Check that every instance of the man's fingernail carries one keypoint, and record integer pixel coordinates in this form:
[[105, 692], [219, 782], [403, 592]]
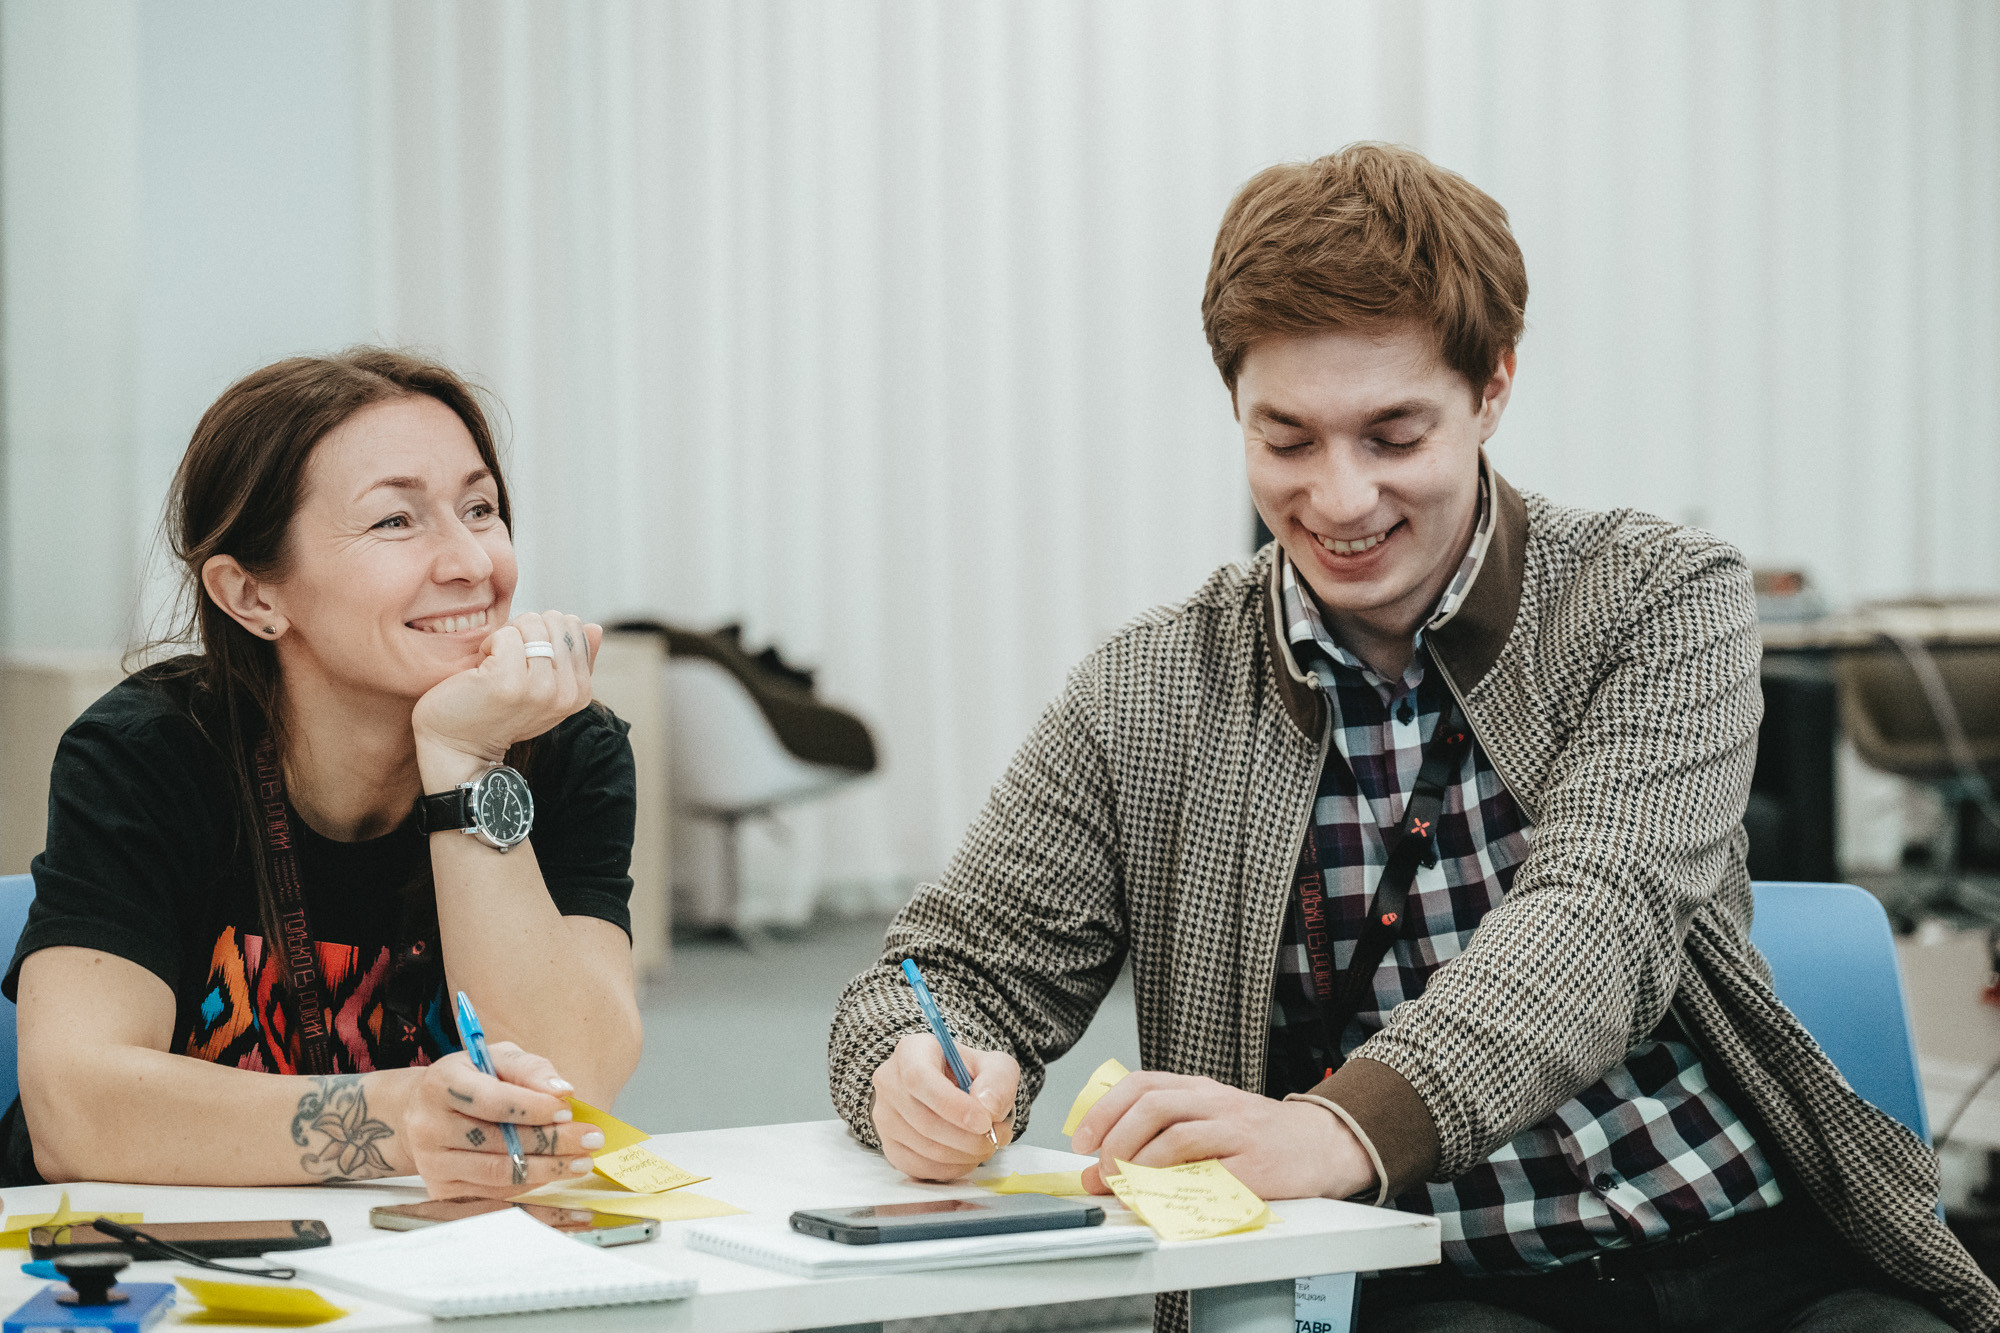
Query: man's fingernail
[[564, 1116], [562, 1085], [594, 1139], [579, 1166]]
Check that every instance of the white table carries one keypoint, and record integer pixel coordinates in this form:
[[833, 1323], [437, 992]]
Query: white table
[[774, 1169]]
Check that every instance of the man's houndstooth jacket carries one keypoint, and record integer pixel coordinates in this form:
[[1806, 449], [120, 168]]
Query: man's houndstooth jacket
[[1609, 665]]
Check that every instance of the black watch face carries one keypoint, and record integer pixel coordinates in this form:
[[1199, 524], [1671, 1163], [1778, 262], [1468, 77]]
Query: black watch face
[[502, 808]]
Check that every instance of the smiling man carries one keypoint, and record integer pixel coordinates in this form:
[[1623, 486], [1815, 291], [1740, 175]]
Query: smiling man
[[1422, 833]]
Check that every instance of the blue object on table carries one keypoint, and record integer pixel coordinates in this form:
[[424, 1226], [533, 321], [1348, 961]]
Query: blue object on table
[[145, 1304], [42, 1268], [943, 1033], [1833, 962], [16, 892], [474, 1039]]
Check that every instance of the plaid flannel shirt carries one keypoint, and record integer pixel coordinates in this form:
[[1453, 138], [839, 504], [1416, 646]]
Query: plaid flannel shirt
[[1647, 1151]]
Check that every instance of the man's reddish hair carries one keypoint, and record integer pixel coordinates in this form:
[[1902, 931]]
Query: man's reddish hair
[[1372, 235]]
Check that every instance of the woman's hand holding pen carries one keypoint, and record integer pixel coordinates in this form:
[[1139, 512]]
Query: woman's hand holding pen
[[453, 1124], [930, 1129]]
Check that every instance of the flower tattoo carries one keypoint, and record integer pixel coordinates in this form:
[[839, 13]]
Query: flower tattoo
[[336, 1109]]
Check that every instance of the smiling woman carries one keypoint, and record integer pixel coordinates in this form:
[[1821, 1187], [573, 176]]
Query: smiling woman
[[270, 860]]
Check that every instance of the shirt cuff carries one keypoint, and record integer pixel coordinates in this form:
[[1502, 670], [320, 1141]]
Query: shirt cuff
[[1367, 1144], [1389, 1117]]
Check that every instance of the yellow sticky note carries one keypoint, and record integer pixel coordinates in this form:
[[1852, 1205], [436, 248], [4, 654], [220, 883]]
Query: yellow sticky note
[[617, 1134], [1050, 1182], [1101, 1082], [643, 1172], [1189, 1202], [679, 1206], [254, 1303], [14, 1235]]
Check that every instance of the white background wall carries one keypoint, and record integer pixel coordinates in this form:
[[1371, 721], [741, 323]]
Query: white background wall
[[873, 323]]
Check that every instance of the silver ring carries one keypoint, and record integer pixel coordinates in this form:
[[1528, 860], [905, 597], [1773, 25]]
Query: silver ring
[[539, 648]]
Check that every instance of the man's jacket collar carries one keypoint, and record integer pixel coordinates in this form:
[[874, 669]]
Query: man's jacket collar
[[1466, 645]]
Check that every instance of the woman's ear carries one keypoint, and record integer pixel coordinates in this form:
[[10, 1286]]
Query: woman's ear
[[241, 597]]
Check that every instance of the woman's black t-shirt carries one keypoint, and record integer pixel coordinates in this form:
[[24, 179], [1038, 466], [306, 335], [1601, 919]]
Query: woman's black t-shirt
[[147, 859]]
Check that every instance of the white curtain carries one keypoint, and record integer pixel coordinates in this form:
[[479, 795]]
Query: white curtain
[[873, 324]]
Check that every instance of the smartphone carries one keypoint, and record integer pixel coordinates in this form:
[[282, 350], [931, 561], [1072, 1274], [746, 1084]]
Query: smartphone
[[934, 1219], [210, 1240], [594, 1228]]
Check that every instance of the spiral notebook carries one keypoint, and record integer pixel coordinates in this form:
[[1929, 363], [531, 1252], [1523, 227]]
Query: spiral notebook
[[498, 1263], [769, 1243]]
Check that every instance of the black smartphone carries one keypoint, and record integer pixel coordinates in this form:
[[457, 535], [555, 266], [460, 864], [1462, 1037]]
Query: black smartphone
[[210, 1240], [592, 1228], [935, 1219]]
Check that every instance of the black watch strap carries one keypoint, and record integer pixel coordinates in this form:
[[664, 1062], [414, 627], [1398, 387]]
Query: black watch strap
[[445, 811]]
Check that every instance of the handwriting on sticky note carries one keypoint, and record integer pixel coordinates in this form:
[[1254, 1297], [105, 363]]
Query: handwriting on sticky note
[[1049, 1182], [642, 1171], [14, 1234], [254, 1303], [1189, 1202], [679, 1206], [1101, 1082], [617, 1134]]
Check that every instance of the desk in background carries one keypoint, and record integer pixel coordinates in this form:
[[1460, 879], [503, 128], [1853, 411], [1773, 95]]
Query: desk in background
[[1793, 815], [772, 1170]]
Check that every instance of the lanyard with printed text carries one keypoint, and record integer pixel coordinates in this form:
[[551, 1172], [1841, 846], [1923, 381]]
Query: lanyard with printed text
[[287, 927], [1339, 996]]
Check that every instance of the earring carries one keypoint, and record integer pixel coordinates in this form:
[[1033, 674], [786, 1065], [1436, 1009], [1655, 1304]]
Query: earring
[[270, 629]]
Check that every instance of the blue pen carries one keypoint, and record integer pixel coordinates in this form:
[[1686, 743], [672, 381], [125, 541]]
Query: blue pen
[[473, 1038], [943, 1033]]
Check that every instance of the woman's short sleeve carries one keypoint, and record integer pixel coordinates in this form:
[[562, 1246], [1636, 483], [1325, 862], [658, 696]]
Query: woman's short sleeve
[[585, 809], [133, 817]]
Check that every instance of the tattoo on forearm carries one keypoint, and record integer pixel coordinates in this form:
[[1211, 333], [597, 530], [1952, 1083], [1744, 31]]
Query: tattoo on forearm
[[332, 1121]]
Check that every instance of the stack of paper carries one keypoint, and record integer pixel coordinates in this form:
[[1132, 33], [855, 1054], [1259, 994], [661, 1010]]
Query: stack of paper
[[1187, 1202], [628, 1178]]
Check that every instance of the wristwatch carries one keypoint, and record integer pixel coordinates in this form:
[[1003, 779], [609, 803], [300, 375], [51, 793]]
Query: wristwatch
[[495, 807]]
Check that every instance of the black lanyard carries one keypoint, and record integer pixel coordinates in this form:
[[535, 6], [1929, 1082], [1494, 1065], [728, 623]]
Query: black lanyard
[[287, 928], [1338, 997]]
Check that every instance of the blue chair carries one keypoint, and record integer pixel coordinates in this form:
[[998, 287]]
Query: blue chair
[[16, 892], [1833, 960]]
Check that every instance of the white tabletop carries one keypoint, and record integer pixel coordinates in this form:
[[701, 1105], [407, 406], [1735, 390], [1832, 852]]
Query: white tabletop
[[772, 1170]]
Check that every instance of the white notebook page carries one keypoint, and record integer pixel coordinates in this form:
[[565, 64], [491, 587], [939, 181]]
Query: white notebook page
[[493, 1264]]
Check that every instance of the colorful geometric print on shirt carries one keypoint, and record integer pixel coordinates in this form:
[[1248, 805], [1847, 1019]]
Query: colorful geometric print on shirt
[[1647, 1151], [387, 1009]]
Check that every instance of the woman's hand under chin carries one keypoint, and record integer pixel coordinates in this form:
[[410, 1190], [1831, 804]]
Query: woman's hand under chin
[[465, 722]]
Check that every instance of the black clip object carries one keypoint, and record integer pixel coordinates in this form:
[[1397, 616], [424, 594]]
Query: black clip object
[[91, 1278]]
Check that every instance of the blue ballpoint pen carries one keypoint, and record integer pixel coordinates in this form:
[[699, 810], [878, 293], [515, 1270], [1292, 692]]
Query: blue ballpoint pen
[[473, 1038], [943, 1033]]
